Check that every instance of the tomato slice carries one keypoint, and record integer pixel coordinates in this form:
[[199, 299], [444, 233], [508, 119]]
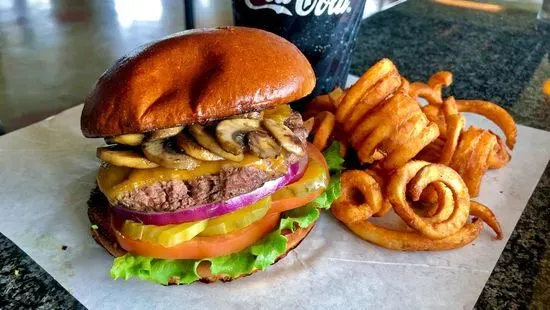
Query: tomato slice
[[315, 154], [286, 204], [203, 247], [310, 186]]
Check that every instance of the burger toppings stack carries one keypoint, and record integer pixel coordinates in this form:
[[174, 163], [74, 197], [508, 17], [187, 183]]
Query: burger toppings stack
[[206, 173]]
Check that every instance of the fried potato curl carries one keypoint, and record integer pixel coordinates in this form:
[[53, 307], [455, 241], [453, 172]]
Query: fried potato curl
[[423, 163], [365, 195], [472, 151]]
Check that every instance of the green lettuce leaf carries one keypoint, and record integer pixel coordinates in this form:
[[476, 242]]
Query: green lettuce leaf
[[303, 217], [331, 193], [234, 264], [334, 159], [267, 250], [259, 256], [155, 270]]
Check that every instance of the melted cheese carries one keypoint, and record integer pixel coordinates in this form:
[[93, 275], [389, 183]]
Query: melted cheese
[[279, 113], [114, 181]]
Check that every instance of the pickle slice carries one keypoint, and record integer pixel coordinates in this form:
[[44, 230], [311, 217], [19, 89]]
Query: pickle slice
[[181, 233], [241, 218], [167, 235], [313, 179], [174, 234]]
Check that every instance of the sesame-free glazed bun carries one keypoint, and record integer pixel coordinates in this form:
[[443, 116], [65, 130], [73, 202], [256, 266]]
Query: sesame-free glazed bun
[[196, 76]]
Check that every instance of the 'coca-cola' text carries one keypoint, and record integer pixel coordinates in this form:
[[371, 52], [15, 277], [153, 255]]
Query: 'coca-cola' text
[[302, 7]]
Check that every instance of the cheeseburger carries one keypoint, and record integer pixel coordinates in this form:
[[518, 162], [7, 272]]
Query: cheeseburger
[[206, 174]]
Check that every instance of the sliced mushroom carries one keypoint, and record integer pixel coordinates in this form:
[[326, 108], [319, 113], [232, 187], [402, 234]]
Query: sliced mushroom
[[259, 115], [207, 141], [164, 133], [132, 139], [159, 152], [261, 144], [230, 133], [188, 145], [120, 156], [284, 135], [308, 125]]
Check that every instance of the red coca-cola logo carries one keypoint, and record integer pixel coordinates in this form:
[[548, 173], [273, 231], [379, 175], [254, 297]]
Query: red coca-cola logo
[[302, 7]]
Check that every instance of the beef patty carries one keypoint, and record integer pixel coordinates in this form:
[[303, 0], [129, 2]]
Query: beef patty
[[181, 194], [230, 182]]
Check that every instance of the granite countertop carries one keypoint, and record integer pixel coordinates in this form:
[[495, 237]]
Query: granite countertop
[[502, 57]]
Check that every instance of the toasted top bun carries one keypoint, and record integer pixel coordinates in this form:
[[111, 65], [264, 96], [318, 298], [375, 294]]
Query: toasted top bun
[[196, 76]]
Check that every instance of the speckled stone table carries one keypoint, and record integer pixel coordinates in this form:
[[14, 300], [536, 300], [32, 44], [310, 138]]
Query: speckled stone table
[[501, 57]]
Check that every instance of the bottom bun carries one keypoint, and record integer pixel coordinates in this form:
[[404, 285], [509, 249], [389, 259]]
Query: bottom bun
[[104, 235]]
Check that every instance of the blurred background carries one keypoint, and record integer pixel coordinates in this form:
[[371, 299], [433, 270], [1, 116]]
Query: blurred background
[[51, 51]]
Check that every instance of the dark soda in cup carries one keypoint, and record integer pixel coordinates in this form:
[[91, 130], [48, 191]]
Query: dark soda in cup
[[324, 30]]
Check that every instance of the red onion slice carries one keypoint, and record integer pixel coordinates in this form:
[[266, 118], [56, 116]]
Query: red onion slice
[[209, 210]]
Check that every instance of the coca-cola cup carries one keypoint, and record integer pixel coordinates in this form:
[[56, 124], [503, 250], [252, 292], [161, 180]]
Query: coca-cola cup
[[324, 30]]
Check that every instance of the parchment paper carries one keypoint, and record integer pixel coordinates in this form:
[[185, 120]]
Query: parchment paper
[[48, 169]]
